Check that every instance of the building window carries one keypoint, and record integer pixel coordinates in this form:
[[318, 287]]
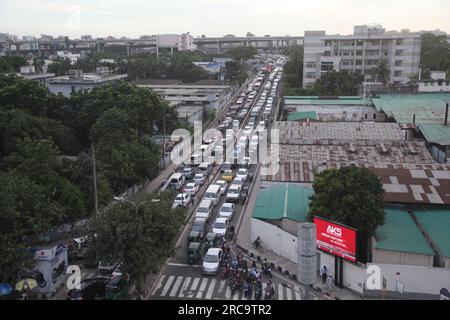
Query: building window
[[327, 53], [398, 63], [359, 42], [398, 53], [359, 53], [365, 116], [397, 74], [327, 66], [399, 42], [358, 62], [375, 116]]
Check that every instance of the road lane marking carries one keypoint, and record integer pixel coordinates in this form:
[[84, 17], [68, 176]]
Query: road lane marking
[[297, 293], [184, 287], [176, 286], [290, 293], [210, 289], [228, 293], [221, 286], [158, 286], [183, 265], [194, 286], [167, 286], [280, 292], [202, 288]]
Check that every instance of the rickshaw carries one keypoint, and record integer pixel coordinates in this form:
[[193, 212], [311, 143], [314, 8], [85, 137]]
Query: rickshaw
[[117, 288], [194, 236], [195, 251], [211, 240]]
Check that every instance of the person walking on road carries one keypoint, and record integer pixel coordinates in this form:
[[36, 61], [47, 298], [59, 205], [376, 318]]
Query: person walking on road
[[324, 274]]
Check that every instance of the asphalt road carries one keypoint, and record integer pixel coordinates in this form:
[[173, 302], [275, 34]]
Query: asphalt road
[[178, 280]]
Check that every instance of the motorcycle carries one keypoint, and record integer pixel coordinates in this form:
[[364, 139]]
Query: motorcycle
[[58, 271], [225, 272], [234, 286], [267, 269], [36, 275], [269, 295], [258, 293], [248, 291]]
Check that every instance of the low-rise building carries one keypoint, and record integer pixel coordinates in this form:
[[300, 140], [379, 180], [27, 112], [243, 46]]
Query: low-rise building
[[77, 81], [346, 109]]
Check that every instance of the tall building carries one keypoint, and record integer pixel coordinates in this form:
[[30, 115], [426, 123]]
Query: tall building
[[361, 52]]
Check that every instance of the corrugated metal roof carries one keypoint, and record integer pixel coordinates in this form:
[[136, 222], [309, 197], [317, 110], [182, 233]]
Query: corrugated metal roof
[[304, 115], [315, 100], [436, 133], [400, 233], [283, 201], [428, 108], [436, 223]]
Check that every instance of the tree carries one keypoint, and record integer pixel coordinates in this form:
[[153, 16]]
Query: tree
[[11, 64], [60, 67], [435, 53], [352, 196], [293, 69], [242, 53], [140, 236], [381, 73], [23, 216], [342, 83]]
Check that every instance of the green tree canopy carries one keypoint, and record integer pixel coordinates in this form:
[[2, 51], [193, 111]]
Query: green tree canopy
[[141, 237], [24, 215], [242, 53], [293, 70], [334, 83], [352, 196], [435, 54], [381, 73]]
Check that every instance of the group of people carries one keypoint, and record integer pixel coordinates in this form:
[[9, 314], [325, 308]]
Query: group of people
[[327, 279], [242, 276]]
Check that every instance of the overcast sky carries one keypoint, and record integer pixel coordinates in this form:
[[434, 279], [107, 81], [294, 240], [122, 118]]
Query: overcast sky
[[216, 17]]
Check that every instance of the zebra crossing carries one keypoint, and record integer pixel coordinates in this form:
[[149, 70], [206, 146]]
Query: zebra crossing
[[185, 287]]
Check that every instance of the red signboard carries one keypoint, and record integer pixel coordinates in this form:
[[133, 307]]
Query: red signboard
[[336, 239]]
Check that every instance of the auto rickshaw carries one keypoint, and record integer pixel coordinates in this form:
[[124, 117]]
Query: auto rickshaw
[[195, 251], [117, 288], [194, 236], [211, 240]]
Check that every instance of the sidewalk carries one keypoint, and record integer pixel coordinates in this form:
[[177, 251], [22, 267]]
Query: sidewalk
[[281, 265]]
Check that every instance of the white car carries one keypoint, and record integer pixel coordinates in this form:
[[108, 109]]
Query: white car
[[242, 173], [220, 227], [211, 261], [233, 193], [199, 179], [223, 186], [227, 211], [191, 188], [182, 200]]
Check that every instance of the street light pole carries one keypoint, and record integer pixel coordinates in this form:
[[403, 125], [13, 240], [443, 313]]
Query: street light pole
[[164, 137], [94, 173]]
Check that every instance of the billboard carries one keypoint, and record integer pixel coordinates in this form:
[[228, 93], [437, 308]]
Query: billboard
[[336, 239]]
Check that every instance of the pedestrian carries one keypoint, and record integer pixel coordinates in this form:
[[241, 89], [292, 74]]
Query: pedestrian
[[324, 274]]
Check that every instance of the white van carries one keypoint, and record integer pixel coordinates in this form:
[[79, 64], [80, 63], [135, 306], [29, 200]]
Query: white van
[[177, 180], [213, 194], [204, 210], [205, 168]]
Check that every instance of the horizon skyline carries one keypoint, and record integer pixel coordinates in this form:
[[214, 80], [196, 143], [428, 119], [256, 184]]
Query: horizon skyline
[[133, 18]]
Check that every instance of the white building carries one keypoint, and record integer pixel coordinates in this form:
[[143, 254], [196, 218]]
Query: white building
[[175, 42], [437, 83], [361, 52], [78, 81], [68, 55]]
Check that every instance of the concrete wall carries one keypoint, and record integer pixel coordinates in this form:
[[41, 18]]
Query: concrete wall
[[336, 112], [434, 86], [404, 258], [275, 239], [417, 281]]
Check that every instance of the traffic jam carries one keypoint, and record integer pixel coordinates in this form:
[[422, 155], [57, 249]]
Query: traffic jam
[[215, 192]]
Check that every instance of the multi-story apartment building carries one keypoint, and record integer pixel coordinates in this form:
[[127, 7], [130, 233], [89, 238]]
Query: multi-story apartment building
[[361, 52]]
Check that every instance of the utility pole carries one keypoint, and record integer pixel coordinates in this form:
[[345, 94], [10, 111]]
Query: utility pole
[[164, 137], [94, 173]]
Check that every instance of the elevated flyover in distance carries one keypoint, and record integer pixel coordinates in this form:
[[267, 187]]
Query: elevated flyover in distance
[[266, 44]]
